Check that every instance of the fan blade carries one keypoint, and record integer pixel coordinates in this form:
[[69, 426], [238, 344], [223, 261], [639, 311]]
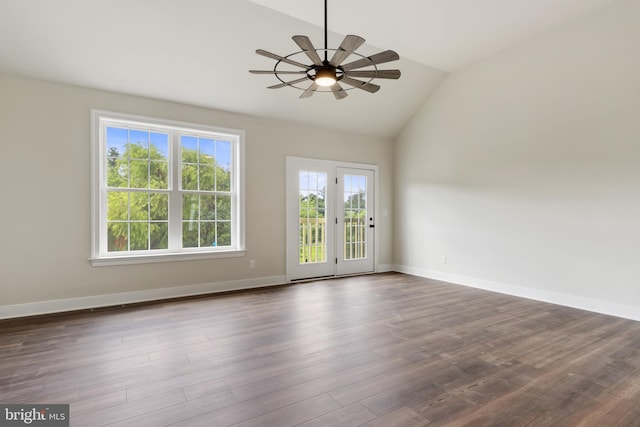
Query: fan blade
[[369, 87], [278, 86], [338, 91], [307, 47], [280, 58], [375, 74], [347, 47], [310, 90], [276, 72], [378, 58]]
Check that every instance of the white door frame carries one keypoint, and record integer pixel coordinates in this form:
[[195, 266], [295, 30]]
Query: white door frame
[[293, 164]]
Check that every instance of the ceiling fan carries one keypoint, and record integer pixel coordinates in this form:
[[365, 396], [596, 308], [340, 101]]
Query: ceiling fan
[[325, 72]]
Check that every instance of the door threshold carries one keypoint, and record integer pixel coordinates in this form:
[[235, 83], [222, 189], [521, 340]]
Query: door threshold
[[331, 276]]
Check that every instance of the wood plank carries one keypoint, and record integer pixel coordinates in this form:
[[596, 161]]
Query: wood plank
[[348, 416], [294, 414]]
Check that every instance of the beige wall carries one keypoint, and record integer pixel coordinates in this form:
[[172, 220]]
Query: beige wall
[[524, 170], [45, 187]]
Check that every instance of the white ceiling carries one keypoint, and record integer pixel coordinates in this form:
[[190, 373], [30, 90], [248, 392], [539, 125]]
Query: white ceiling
[[199, 51], [445, 34]]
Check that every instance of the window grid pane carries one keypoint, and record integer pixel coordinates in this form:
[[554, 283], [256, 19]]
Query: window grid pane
[[206, 220], [354, 214], [206, 164], [136, 159], [137, 221], [311, 213]]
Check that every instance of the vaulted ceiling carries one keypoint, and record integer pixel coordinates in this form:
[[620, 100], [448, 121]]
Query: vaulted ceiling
[[199, 51]]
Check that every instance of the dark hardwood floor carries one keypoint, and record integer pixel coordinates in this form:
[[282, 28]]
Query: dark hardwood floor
[[378, 350]]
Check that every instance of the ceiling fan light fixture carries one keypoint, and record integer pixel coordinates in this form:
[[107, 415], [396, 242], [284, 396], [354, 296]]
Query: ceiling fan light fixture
[[325, 76], [330, 73]]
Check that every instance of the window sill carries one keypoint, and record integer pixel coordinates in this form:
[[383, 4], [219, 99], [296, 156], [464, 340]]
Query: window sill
[[165, 257]]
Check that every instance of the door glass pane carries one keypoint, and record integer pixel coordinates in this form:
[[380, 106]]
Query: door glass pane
[[355, 216], [312, 236]]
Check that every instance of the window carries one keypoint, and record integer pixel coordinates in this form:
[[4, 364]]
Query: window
[[165, 190]]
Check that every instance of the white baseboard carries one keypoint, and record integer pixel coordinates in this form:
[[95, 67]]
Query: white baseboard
[[582, 303], [58, 306], [97, 301]]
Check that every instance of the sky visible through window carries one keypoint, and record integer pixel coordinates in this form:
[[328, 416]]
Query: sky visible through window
[[118, 138]]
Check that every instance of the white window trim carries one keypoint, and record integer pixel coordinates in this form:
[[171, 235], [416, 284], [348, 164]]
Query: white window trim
[[99, 257]]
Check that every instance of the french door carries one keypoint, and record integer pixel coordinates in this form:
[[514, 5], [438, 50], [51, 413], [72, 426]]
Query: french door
[[330, 218]]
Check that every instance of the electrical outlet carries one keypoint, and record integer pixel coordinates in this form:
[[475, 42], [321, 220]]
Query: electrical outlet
[[252, 263], [444, 259]]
